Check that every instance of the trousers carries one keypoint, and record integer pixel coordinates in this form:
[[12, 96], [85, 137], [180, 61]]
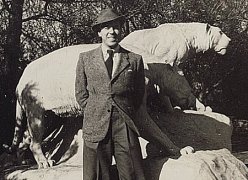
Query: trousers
[[120, 142]]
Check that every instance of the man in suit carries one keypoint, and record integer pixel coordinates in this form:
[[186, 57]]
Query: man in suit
[[109, 87]]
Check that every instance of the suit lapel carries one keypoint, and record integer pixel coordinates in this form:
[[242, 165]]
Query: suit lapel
[[98, 63], [123, 63]]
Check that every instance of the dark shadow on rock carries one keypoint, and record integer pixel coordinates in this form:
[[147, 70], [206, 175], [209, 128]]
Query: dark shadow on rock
[[153, 166], [62, 131], [59, 135], [171, 84], [199, 131]]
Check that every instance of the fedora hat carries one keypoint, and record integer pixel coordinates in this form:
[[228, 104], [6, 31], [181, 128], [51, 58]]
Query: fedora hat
[[106, 16]]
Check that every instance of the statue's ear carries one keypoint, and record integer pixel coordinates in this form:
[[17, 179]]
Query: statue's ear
[[207, 27]]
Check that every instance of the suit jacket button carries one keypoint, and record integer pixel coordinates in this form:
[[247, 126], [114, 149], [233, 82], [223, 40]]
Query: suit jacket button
[[108, 110]]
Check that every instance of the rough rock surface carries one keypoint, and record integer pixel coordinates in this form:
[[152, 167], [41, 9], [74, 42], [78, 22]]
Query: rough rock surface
[[205, 165]]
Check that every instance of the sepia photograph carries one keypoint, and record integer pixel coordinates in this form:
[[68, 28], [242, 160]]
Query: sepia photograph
[[124, 89]]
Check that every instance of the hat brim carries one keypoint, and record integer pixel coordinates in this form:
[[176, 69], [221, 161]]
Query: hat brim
[[97, 27]]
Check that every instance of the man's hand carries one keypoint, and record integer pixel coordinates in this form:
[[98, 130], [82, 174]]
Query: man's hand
[[187, 150]]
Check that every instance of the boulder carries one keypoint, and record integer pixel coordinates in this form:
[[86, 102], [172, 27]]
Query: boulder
[[205, 165]]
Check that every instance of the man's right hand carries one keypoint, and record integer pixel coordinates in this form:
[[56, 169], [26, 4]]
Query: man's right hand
[[187, 150]]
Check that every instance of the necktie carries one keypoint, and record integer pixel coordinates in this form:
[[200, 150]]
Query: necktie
[[109, 62]]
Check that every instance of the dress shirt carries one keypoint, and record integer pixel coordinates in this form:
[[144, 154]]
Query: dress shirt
[[116, 56]]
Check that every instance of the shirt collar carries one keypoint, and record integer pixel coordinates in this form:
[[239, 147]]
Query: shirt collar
[[105, 48]]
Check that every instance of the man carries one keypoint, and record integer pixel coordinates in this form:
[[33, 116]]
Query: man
[[110, 87]]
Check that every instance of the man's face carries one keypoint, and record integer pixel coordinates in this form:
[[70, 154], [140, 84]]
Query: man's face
[[110, 33]]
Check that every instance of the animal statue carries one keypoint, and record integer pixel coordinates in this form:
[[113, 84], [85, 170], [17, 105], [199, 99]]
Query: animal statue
[[47, 84], [172, 43]]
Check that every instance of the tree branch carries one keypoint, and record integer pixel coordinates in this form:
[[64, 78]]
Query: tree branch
[[38, 16], [135, 11], [7, 7], [35, 40]]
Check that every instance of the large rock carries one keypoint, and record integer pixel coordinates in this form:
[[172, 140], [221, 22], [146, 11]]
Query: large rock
[[205, 165]]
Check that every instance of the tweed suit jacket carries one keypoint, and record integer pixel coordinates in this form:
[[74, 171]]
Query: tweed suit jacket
[[96, 93]]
